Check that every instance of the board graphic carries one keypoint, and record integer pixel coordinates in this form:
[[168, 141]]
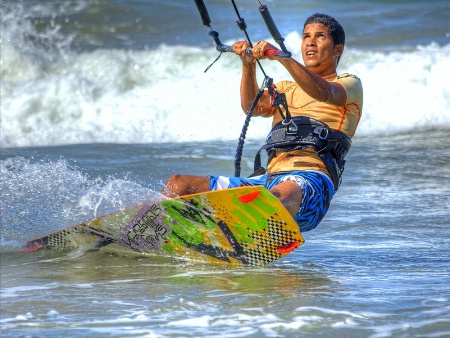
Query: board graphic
[[234, 227]]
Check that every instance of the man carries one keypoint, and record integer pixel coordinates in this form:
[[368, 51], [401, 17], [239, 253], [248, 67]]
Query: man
[[303, 170]]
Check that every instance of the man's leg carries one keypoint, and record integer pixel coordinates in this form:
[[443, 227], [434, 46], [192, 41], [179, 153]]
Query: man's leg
[[306, 195], [290, 194], [179, 185]]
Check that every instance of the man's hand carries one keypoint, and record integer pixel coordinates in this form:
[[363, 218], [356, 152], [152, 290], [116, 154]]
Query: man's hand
[[240, 49], [260, 50]]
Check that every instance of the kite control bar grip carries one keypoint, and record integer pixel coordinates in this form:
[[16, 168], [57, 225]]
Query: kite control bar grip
[[226, 48], [279, 53], [274, 31]]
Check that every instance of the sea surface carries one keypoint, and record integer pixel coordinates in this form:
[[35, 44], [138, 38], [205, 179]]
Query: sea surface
[[101, 101]]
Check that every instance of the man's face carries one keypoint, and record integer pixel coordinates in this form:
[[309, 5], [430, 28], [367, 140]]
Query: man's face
[[318, 50]]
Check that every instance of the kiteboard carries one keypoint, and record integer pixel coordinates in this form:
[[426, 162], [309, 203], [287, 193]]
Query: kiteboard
[[232, 227]]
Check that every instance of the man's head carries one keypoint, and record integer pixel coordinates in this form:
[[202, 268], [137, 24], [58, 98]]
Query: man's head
[[335, 29], [322, 43]]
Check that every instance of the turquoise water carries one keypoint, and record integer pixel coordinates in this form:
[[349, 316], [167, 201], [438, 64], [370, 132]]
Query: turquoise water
[[377, 266]]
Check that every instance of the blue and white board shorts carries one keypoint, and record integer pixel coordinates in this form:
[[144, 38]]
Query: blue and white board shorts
[[318, 190]]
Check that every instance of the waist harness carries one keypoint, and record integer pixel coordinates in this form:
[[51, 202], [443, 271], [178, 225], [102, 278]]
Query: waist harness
[[302, 132]]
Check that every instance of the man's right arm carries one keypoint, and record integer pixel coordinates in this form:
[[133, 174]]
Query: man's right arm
[[249, 86]]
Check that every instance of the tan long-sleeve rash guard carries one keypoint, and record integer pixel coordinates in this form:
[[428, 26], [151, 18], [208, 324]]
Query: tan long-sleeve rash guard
[[344, 119]]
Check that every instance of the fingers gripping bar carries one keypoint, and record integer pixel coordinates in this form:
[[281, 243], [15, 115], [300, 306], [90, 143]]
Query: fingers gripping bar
[[225, 48]]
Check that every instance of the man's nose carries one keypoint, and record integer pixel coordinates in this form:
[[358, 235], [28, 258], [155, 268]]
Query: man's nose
[[312, 41]]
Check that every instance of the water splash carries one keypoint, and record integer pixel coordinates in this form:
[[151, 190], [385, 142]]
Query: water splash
[[45, 196]]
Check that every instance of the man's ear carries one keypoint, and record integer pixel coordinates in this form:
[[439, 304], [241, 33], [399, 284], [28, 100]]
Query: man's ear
[[338, 49]]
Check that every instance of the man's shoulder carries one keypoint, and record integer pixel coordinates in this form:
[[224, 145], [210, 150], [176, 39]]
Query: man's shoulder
[[349, 81], [353, 86], [348, 76]]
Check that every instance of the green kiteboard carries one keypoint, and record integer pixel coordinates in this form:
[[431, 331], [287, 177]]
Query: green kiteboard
[[232, 227]]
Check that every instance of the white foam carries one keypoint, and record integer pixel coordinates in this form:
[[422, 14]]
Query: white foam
[[202, 321], [52, 186], [163, 95], [21, 291]]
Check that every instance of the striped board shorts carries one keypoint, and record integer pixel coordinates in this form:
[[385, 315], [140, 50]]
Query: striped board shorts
[[317, 190]]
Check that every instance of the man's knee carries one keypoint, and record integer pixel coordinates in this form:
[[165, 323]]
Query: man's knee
[[290, 194], [173, 180], [172, 186], [179, 185]]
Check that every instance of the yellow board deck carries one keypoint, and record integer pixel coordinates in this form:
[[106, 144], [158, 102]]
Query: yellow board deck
[[234, 227]]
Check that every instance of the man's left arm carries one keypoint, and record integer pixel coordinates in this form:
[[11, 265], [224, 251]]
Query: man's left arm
[[313, 84]]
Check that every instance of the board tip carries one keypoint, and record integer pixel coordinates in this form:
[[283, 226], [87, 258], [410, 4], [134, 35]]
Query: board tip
[[32, 246], [288, 247]]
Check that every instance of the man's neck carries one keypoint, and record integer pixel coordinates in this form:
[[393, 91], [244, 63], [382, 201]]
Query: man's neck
[[330, 76]]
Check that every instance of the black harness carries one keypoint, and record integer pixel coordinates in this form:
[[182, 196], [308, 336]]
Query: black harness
[[302, 132]]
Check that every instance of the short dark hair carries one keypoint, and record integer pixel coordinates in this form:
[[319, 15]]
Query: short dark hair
[[334, 27]]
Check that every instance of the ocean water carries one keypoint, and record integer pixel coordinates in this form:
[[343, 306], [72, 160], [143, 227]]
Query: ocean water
[[102, 100]]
